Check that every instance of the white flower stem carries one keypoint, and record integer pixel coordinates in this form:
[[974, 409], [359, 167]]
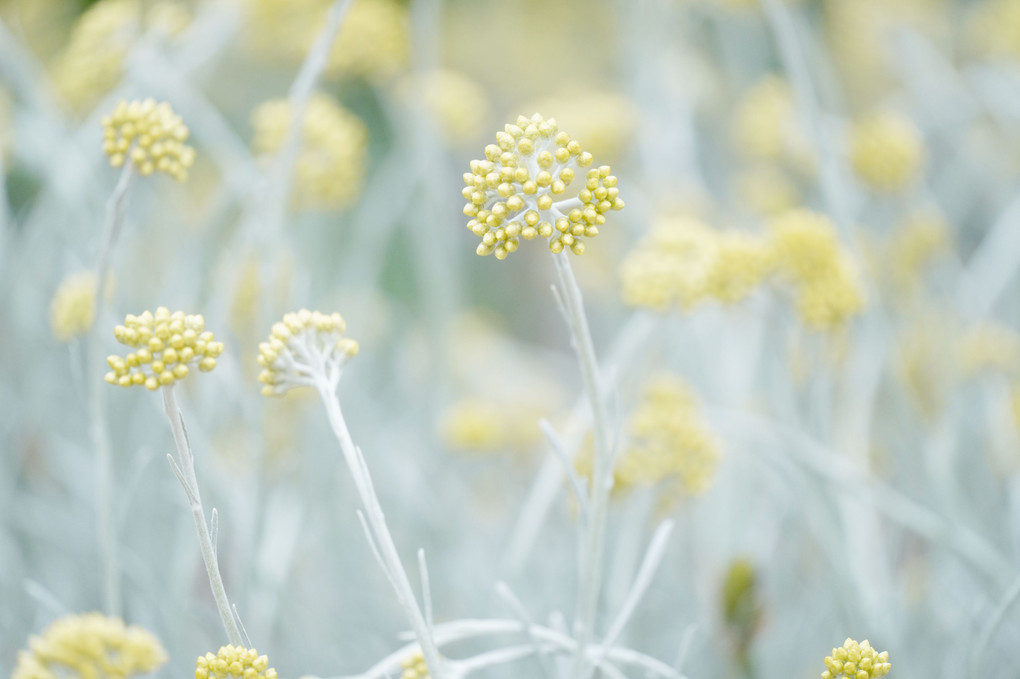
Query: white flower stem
[[376, 521], [185, 470], [601, 481], [106, 533]]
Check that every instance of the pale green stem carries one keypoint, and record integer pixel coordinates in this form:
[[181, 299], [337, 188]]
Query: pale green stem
[[105, 530], [185, 470], [601, 481], [379, 532], [1002, 610]]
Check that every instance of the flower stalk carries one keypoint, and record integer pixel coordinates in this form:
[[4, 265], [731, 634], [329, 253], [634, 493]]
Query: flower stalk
[[184, 468]]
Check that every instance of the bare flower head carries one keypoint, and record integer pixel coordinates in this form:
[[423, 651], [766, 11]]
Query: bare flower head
[[537, 181], [887, 151], [234, 662], [166, 346], [89, 645], [856, 661], [306, 348], [150, 135]]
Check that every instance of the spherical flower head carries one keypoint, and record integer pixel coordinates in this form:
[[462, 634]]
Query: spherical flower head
[[234, 662], [739, 267], [886, 151], [856, 661], [89, 645], [330, 166], [537, 181], [306, 348], [150, 135], [414, 667], [765, 122], [166, 346], [74, 306]]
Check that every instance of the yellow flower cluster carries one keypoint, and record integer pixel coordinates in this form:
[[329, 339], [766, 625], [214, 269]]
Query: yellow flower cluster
[[917, 242], [234, 662], [667, 439], [166, 346], [330, 166], [856, 661], [303, 349], [74, 306], [804, 250], [89, 645], [606, 121], [414, 667], [522, 190], [765, 125], [92, 63], [150, 135], [684, 262], [477, 424], [373, 40], [886, 151]]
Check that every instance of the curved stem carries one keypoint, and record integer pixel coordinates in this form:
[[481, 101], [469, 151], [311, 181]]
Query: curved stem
[[186, 475], [376, 521]]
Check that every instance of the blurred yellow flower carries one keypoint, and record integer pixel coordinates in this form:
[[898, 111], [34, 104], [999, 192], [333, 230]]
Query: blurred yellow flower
[[89, 646], [74, 306], [767, 190], [92, 63], [458, 104], [803, 248], [373, 39], [766, 127], [166, 346], [330, 166], [886, 151], [989, 347]]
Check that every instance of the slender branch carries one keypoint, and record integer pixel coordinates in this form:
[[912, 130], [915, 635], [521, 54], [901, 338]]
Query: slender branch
[[186, 468], [602, 478], [375, 521], [1002, 610]]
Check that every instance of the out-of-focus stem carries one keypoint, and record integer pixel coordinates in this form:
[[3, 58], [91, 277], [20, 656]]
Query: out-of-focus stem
[[379, 531], [591, 560], [105, 532], [186, 466]]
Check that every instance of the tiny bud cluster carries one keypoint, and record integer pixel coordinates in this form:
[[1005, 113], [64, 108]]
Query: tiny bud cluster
[[232, 662], [166, 345], [856, 661], [303, 349], [523, 189], [150, 135], [414, 667]]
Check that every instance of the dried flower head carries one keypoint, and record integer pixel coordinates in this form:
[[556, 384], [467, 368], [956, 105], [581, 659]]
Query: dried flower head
[[523, 190], [306, 348], [234, 662], [74, 306], [886, 151], [150, 135], [166, 345], [89, 645], [330, 166], [856, 661]]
